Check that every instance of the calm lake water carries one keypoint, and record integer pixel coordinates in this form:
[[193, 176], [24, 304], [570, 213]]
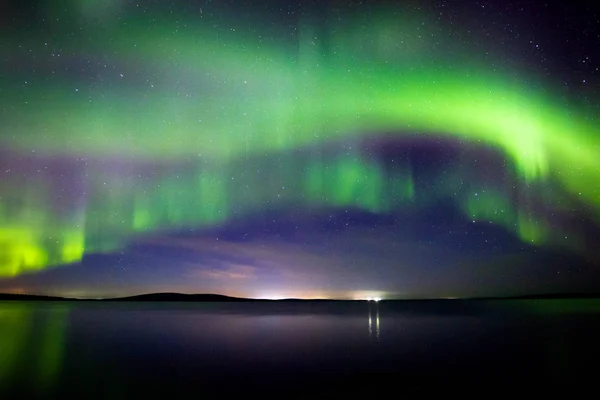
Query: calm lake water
[[295, 350]]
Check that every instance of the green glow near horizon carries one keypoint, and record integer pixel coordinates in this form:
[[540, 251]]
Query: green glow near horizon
[[224, 99]]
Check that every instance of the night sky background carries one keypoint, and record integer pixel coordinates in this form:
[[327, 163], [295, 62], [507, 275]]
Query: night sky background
[[271, 149]]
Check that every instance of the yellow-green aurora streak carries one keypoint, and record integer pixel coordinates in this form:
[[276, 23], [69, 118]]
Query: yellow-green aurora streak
[[237, 99]]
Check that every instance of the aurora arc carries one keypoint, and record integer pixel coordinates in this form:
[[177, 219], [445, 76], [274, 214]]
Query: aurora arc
[[238, 99]]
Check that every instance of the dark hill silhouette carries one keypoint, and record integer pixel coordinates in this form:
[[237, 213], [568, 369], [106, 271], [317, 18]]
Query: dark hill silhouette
[[180, 297]]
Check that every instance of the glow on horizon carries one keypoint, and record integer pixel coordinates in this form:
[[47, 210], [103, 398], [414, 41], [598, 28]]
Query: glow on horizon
[[294, 295], [319, 295], [368, 296]]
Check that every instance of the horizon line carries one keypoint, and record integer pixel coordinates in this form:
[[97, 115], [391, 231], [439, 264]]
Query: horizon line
[[367, 299]]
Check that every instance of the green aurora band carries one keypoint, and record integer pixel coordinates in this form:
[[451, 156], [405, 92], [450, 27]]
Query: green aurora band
[[224, 117]]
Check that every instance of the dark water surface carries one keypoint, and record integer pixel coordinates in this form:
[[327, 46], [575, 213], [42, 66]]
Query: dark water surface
[[297, 350]]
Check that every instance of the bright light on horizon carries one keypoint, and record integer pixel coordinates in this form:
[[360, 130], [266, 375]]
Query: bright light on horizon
[[271, 297], [369, 296]]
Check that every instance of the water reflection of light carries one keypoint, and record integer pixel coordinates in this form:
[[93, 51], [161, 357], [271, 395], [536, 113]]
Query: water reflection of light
[[377, 324], [370, 323]]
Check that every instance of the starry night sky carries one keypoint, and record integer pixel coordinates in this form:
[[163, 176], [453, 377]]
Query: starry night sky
[[331, 149]]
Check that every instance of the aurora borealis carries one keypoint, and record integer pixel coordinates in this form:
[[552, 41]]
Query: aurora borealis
[[126, 126]]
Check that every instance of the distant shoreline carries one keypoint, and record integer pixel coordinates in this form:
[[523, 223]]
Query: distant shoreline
[[194, 298]]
